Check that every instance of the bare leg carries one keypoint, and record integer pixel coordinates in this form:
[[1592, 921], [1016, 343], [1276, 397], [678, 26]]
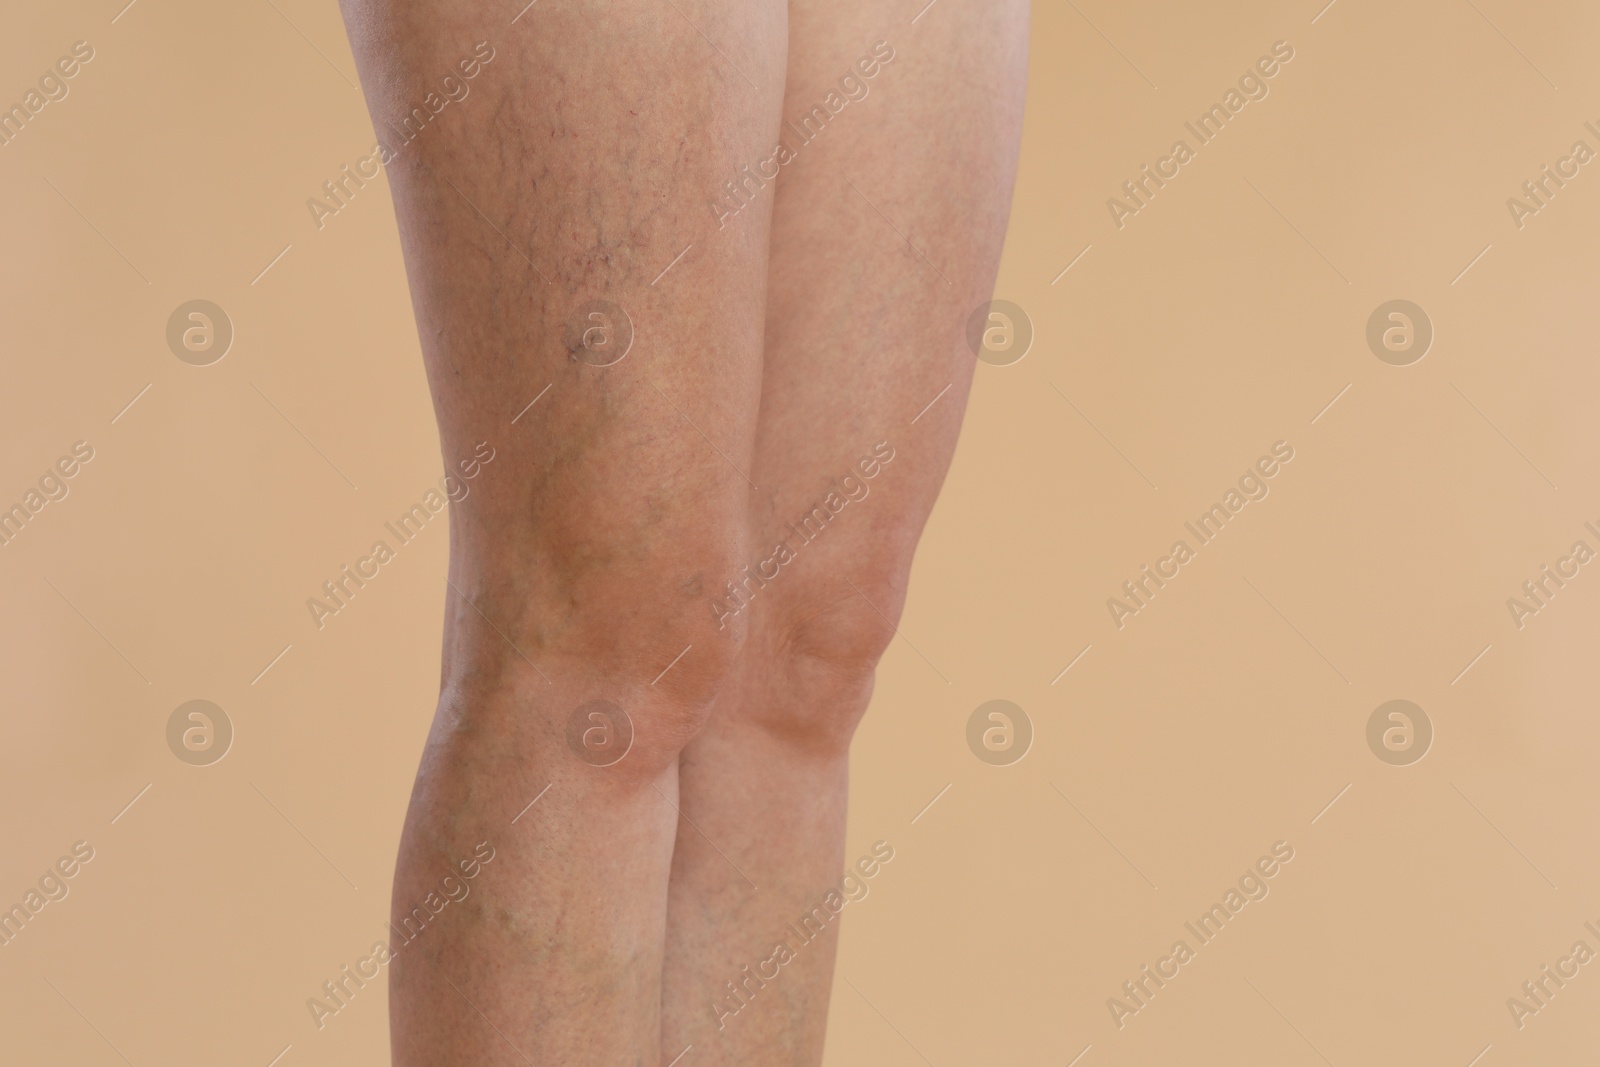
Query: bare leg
[[572, 170], [863, 331]]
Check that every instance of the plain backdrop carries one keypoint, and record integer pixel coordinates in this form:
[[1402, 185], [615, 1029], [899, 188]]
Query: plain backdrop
[[1168, 754]]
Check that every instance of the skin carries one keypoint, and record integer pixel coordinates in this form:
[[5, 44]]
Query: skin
[[766, 360], [766, 779]]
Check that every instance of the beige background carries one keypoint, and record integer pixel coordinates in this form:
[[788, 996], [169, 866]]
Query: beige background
[[1226, 716]]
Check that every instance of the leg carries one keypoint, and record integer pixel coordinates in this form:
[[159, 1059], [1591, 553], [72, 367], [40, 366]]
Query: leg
[[862, 333], [568, 171]]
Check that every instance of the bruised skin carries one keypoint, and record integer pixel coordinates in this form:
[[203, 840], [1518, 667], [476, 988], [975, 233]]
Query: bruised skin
[[564, 176], [570, 173], [585, 562]]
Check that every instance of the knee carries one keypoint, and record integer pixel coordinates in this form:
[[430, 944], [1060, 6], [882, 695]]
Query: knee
[[844, 628], [657, 655], [824, 650], [627, 595], [609, 646]]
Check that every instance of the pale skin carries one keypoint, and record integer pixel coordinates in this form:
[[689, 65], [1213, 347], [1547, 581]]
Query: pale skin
[[795, 338]]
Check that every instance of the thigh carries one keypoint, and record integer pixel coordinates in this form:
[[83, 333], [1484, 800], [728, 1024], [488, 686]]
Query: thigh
[[887, 227], [595, 365], [581, 315]]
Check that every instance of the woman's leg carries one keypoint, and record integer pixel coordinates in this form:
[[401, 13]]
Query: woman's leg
[[886, 236], [573, 165]]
